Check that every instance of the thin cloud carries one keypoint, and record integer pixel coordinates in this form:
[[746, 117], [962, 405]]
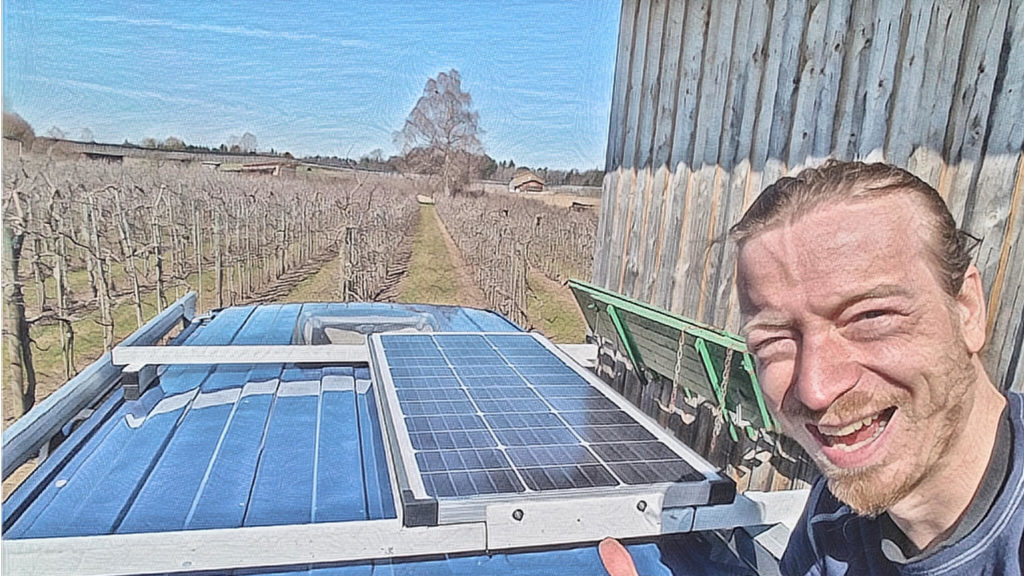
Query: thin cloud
[[226, 30], [124, 92]]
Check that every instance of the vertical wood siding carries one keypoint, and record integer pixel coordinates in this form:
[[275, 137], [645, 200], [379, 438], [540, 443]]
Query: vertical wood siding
[[715, 99]]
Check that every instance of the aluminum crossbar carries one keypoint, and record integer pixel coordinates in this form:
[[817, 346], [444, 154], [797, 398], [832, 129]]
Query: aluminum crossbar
[[508, 525], [166, 355], [585, 354]]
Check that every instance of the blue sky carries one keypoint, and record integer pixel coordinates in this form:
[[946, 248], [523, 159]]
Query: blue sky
[[334, 78]]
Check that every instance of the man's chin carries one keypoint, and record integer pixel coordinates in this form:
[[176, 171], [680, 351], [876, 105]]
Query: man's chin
[[866, 492]]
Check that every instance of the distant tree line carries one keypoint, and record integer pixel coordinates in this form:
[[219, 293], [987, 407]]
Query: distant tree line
[[424, 141]]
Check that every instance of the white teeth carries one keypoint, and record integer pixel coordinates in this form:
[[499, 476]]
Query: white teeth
[[862, 443], [851, 428]]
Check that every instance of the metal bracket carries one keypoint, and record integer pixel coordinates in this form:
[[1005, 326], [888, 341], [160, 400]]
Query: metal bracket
[[136, 379], [543, 523], [766, 416], [627, 342]]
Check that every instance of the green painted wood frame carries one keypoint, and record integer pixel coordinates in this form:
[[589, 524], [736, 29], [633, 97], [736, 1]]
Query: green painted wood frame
[[740, 393]]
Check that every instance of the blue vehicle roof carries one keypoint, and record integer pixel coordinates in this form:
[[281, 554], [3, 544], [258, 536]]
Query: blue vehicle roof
[[236, 445]]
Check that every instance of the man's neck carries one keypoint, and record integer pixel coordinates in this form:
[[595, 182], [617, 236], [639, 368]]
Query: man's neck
[[931, 512]]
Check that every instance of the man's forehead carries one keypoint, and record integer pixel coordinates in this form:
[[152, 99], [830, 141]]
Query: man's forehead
[[831, 248], [892, 220]]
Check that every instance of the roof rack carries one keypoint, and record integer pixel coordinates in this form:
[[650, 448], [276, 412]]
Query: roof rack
[[488, 523]]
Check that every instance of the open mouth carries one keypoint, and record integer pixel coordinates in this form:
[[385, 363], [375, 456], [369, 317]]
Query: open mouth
[[855, 435]]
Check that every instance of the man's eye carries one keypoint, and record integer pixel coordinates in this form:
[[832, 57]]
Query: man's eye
[[871, 315], [770, 347]]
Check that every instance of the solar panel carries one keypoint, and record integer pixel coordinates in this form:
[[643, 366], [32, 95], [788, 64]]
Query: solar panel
[[482, 416]]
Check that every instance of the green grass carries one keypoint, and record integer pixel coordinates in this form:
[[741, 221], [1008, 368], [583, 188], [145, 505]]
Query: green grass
[[554, 312], [320, 287], [432, 276], [46, 354]]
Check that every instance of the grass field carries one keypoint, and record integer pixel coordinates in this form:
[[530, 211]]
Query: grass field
[[88, 333], [553, 310], [432, 276], [320, 287]]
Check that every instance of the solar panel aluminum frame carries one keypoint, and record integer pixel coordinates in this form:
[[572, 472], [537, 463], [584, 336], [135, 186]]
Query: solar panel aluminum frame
[[418, 508]]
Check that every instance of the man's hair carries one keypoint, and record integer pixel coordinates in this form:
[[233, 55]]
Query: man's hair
[[835, 181]]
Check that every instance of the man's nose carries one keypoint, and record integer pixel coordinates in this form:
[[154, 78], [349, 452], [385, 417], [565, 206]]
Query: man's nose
[[824, 371]]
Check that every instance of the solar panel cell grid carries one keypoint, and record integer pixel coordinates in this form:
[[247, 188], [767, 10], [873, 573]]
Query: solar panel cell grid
[[454, 440], [493, 414], [425, 394]]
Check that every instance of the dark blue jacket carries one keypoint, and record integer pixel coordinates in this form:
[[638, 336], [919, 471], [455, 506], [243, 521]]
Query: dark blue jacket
[[831, 539]]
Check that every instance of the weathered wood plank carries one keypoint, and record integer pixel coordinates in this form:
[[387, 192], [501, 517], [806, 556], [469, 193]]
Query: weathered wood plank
[[881, 65], [599, 274], [945, 41], [991, 212], [721, 142], [710, 114], [1006, 300], [788, 69], [613, 157], [668, 89], [675, 230], [654, 230], [969, 115], [769, 85], [691, 264], [636, 240], [635, 88], [650, 88], [616, 126], [850, 103], [747, 67], [689, 82], [812, 57], [620, 237], [664, 137], [904, 128], [650, 95], [713, 83], [634, 103], [831, 76]]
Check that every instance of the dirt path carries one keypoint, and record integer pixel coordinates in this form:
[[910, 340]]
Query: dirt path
[[437, 273]]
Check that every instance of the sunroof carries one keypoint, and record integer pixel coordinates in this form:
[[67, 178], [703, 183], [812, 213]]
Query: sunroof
[[482, 416]]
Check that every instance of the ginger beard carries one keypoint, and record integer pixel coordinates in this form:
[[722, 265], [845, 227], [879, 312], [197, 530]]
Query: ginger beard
[[926, 432]]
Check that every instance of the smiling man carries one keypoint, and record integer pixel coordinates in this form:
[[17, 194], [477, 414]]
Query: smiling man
[[866, 318]]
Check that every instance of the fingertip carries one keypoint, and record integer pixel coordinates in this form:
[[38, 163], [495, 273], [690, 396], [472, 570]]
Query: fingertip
[[616, 559]]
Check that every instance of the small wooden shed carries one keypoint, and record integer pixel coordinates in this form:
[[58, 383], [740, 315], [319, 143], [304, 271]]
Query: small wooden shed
[[526, 181]]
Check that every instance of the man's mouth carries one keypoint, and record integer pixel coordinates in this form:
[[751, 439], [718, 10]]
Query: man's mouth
[[854, 435]]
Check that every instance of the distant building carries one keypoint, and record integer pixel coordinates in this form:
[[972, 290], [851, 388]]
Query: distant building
[[269, 168], [526, 181], [104, 157]]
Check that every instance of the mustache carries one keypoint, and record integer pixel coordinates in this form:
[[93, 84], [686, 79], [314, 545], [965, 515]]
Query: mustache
[[851, 405]]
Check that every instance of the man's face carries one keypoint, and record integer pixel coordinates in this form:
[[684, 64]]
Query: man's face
[[858, 348]]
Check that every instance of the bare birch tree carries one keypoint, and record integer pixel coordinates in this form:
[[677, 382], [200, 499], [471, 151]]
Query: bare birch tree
[[441, 136]]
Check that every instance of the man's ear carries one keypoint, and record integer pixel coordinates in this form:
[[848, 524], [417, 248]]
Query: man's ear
[[971, 305]]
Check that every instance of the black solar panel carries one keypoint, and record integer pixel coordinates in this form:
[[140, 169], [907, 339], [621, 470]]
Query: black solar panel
[[493, 414]]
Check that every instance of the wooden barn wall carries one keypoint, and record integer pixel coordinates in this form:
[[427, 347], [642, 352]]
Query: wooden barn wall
[[715, 99]]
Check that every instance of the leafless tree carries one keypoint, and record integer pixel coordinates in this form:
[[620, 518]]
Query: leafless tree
[[17, 342], [16, 128], [442, 134]]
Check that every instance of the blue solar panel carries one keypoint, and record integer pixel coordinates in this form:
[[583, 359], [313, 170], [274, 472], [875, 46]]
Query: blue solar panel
[[500, 413]]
